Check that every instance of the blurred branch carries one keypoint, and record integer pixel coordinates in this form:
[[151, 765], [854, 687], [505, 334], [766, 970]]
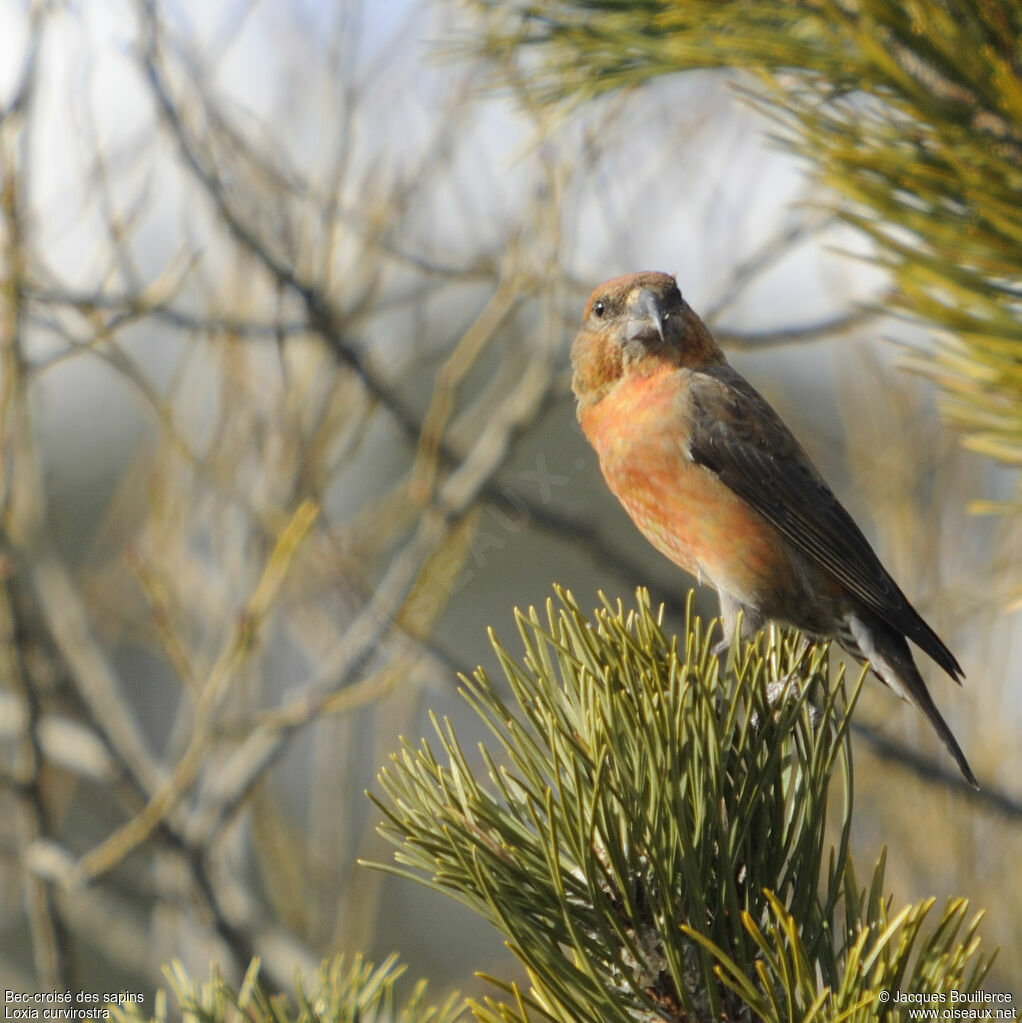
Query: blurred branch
[[97, 683], [237, 646], [831, 327], [934, 772], [767, 255], [322, 316], [50, 945], [20, 516]]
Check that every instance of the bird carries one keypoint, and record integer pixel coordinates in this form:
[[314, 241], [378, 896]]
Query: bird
[[716, 481]]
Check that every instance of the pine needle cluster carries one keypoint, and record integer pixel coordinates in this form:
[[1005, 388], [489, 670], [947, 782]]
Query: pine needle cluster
[[651, 836], [342, 991]]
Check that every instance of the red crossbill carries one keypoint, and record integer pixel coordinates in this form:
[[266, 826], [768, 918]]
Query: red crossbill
[[716, 482]]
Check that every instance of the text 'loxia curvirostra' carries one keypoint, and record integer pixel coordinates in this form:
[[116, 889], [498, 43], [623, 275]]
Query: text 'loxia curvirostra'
[[716, 482]]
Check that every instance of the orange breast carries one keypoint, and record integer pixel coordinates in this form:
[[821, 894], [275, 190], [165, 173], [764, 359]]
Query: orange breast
[[640, 432]]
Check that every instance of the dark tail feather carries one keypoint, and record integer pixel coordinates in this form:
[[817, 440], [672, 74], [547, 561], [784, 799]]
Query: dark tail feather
[[928, 641], [920, 696], [891, 660]]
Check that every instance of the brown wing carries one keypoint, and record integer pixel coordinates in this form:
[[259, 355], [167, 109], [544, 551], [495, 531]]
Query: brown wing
[[739, 437]]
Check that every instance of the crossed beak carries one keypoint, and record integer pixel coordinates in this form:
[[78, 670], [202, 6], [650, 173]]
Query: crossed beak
[[645, 317]]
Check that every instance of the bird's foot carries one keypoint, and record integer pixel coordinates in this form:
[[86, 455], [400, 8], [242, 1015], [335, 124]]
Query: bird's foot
[[788, 688]]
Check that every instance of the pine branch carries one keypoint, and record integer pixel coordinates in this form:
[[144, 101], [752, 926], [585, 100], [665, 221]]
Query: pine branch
[[651, 839], [340, 993]]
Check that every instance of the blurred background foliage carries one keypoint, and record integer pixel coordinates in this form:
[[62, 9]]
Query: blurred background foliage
[[287, 290]]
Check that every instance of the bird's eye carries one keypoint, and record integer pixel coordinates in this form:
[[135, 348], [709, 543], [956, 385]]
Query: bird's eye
[[599, 308]]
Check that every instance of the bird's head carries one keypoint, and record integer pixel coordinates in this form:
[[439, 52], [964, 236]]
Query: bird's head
[[634, 325]]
